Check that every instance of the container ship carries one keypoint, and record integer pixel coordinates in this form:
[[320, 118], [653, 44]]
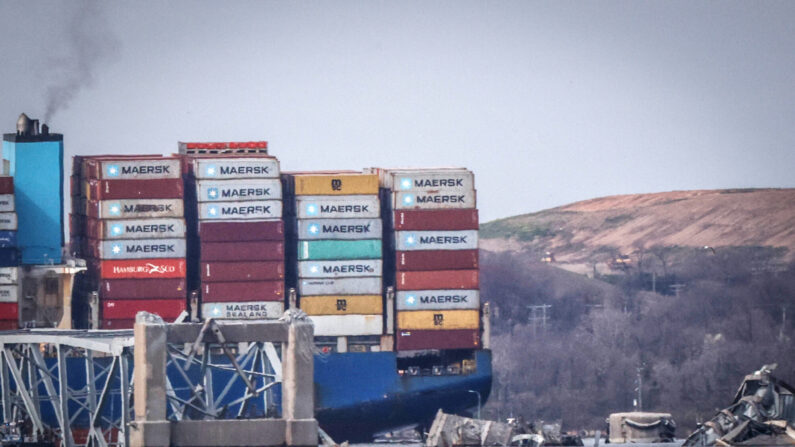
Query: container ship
[[383, 261]]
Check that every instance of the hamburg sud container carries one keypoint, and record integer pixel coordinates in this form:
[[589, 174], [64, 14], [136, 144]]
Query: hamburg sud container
[[431, 245], [237, 235], [336, 262], [129, 223]]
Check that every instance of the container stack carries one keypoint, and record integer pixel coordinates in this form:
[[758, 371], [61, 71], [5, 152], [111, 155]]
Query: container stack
[[129, 223], [335, 253], [432, 252], [236, 235], [9, 256]]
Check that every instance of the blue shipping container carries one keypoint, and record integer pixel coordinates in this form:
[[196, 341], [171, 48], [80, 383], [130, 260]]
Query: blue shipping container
[[8, 239]]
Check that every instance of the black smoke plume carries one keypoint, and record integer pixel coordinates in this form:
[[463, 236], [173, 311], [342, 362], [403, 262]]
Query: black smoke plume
[[89, 44]]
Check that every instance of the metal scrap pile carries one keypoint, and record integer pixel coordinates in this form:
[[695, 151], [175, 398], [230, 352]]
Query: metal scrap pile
[[762, 413]]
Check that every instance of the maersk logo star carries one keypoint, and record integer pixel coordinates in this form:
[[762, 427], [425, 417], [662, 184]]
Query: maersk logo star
[[113, 170], [408, 199], [211, 170], [116, 229], [405, 183], [314, 269], [411, 239], [411, 300], [216, 310], [115, 249], [212, 193], [115, 209], [213, 211], [311, 209], [313, 229]]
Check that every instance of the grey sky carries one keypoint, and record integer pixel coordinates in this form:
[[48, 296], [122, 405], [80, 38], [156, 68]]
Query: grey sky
[[548, 102]]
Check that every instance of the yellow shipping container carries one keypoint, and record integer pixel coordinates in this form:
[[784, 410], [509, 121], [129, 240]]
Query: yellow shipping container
[[342, 305], [438, 319], [336, 184]]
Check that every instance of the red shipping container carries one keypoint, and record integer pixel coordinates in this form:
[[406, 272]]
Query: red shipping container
[[75, 189], [437, 279], [6, 184], [169, 188], [452, 220], [142, 289], [126, 309], [242, 291], [436, 260], [138, 268], [241, 271], [406, 340], [266, 230], [117, 324], [8, 325], [9, 311], [242, 251]]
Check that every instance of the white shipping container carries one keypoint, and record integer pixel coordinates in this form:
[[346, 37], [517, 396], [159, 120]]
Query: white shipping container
[[249, 310], [255, 210], [142, 249], [9, 293], [347, 325], [140, 208], [142, 229], [436, 240], [235, 168], [309, 229], [340, 269], [337, 207], [8, 221], [340, 286], [239, 190], [437, 299], [6, 203], [140, 169], [428, 180], [9, 275], [433, 200]]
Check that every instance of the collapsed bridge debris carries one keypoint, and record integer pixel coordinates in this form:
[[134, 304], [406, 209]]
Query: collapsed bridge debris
[[762, 413]]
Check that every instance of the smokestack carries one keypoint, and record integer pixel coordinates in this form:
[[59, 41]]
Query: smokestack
[[27, 127]]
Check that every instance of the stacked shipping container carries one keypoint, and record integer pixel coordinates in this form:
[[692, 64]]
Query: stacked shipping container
[[432, 248], [237, 235], [128, 222], [335, 253], [9, 259]]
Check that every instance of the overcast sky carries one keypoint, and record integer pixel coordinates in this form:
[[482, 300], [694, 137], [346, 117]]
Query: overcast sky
[[548, 102]]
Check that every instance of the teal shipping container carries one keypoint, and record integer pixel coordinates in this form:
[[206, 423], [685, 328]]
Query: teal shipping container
[[36, 163], [335, 249]]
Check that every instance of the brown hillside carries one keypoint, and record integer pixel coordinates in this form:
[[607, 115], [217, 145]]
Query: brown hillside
[[623, 224]]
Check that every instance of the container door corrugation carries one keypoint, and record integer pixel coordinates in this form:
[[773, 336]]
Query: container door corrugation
[[312, 229], [436, 260], [6, 203], [433, 200], [133, 189], [133, 169], [249, 310], [430, 180], [437, 299], [242, 251], [342, 305], [235, 168], [337, 207], [239, 231], [335, 184], [340, 269], [254, 210], [438, 319], [135, 228], [135, 208], [141, 249], [437, 279], [238, 190], [436, 240], [9, 275], [126, 309], [9, 293], [240, 291], [338, 250], [340, 286], [415, 339], [8, 221], [466, 219], [347, 325], [139, 268], [241, 271]]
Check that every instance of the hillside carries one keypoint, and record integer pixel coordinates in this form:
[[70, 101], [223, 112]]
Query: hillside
[[595, 230]]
